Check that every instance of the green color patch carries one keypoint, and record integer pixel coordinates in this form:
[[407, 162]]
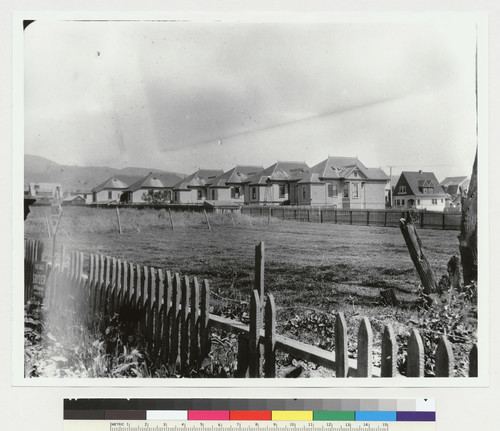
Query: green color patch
[[333, 416]]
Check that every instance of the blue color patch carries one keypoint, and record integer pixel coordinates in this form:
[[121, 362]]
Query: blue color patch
[[376, 416]]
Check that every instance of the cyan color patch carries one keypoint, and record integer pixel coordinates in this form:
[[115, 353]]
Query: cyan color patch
[[375, 416]]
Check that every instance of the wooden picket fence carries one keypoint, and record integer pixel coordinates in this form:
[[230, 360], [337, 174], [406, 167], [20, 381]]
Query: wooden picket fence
[[33, 251], [173, 315]]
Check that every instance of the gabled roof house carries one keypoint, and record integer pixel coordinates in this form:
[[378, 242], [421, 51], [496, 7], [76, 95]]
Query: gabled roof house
[[229, 185], [455, 187], [111, 189], [192, 189], [270, 186], [153, 182], [419, 190], [341, 182]]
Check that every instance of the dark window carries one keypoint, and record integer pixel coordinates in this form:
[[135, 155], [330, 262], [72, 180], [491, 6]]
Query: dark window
[[332, 190], [200, 194], [304, 192], [235, 191], [213, 195], [254, 193], [282, 190], [346, 190], [402, 189], [110, 195]]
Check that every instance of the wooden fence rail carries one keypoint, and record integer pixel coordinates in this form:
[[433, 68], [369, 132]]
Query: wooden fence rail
[[172, 315], [384, 218]]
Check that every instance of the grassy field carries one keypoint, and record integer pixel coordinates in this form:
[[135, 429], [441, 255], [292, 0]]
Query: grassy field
[[310, 268]]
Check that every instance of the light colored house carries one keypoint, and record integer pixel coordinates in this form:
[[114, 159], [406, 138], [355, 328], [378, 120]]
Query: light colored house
[[270, 186], [340, 182], [45, 193], [85, 195], [153, 182], [419, 190], [111, 189], [192, 189], [229, 186], [455, 187]]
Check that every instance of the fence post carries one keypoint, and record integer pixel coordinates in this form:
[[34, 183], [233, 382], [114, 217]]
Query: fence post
[[444, 358], [171, 219], [255, 325], [335, 215], [415, 356], [205, 344], [389, 353], [422, 220], [150, 302], [269, 216], [385, 218], [367, 218], [365, 347], [473, 372], [270, 338], [119, 222], [194, 336], [206, 217], [259, 270], [341, 359], [320, 216], [184, 344], [444, 223]]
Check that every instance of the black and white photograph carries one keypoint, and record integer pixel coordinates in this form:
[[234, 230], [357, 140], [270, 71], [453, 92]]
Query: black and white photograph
[[253, 196]]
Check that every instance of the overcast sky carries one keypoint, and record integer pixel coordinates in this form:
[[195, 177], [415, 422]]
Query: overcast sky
[[182, 95]]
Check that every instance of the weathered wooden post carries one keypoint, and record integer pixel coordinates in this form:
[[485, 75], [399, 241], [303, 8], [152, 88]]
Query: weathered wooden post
[[417, 255], [415, 357], [255, 325], [389, 353], [341, 359], [468, 230], [119, 221], [171, 219], [259, 270], [206, 218], [270, 338], [365, 349]]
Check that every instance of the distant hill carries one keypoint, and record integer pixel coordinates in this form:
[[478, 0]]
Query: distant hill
[[43, 170]]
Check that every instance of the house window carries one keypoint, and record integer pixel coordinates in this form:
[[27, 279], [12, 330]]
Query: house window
[[213, 195], [402, 189], [85, 196], [254, 193], [398, 202], [402, 202], [434, 201], [346, 190], [304, 192], [441, 200], [355, 190], [110, 195], [418, 201], [332, 190], [200, 194], [94, 197], [235, 192], [175, 196], [282, 190]]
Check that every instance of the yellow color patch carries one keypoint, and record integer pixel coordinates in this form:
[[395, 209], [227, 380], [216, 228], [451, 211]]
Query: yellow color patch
[[279, 415]]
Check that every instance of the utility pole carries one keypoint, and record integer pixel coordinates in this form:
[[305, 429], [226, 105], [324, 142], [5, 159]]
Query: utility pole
[[390, 183]]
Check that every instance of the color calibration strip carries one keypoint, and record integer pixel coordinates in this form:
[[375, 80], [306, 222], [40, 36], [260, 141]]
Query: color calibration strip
[[419, 410]]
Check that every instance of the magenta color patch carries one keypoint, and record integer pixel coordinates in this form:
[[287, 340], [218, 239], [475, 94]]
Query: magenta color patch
[[208, 415]]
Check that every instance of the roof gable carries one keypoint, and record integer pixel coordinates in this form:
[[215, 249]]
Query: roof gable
[[117, 182], [198, 179], [277, 172]]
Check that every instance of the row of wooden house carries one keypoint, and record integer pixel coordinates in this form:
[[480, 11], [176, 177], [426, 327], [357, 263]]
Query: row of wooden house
[[339, 182], [342, 182]]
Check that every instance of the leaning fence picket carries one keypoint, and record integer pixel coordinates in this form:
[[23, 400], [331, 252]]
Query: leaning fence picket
[[184, 337], [388, 353], [255, 325], [444, 358], [166, 317], [270, 337], [365, 348], [157, 310], [205, 342], [473, 367], [194, 324], [341, 359], [174, 323], [415, 357]]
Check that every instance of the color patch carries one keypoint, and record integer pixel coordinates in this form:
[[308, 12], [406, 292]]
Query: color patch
[[416, 416], [376, 416], [250, 415], [165, 415], [333, 416], [292, 415], [208, 415]]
